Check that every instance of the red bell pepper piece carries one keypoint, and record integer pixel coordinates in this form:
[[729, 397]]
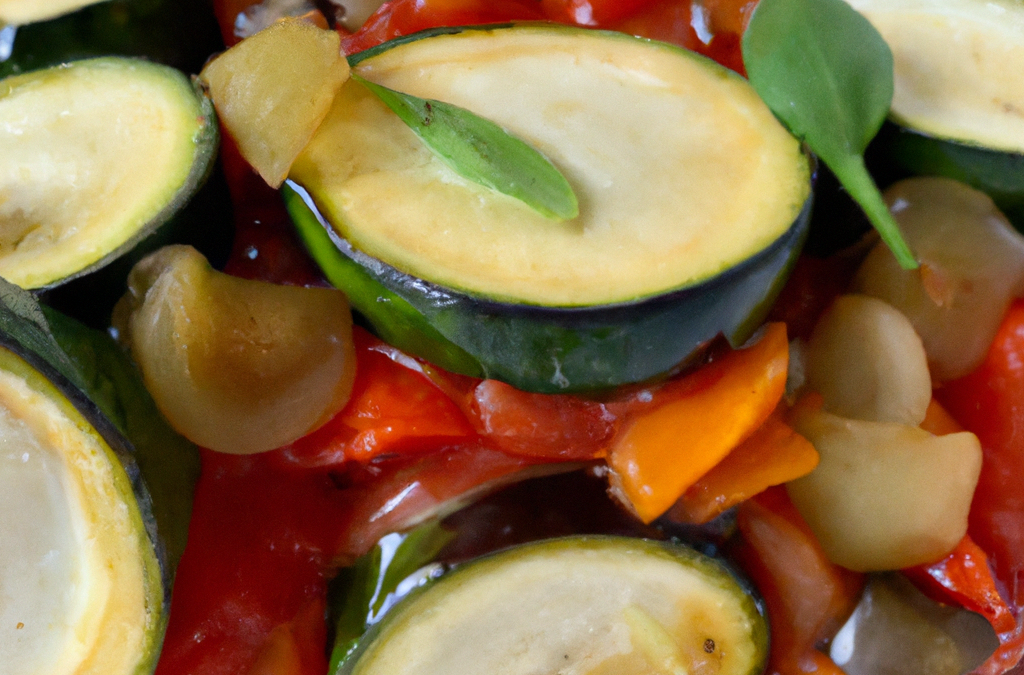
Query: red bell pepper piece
[[808, 598], [990, 403]]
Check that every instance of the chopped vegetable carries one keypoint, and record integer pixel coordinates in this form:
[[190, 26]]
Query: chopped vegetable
[[867, 362], [274, 89], [218, 352], [693, 423], [972, 266], [872, 470], [774, 455]]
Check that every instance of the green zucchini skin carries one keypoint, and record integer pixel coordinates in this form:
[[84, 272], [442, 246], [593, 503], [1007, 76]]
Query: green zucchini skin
[[26, 337], [178, 33], [713, 572], [195, 210], [549, 349], [998, 174]]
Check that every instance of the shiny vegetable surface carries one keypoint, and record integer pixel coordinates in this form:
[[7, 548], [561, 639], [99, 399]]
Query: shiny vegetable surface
[[836, 459]]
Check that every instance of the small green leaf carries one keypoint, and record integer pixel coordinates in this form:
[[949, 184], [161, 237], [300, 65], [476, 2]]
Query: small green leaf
[[825, 71], [481, 151], [22, 319]]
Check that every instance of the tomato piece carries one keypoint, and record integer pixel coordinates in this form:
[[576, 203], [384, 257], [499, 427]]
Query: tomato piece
[[963, 578], [553, 427], [403, 17], [990, 403], [256, 559], [593, 12], [394, 410], [808, 598]]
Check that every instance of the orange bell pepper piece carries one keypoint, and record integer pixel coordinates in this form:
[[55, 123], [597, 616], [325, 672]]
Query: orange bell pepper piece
[[693, 422], [774, 455]]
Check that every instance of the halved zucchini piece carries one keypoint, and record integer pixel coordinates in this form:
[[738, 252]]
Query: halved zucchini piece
[[958, 94], [582, 605], [80, 579], [692, 198], [94, 157]]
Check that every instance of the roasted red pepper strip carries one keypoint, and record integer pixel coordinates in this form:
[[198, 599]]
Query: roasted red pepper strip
[[990, 403], [963, 578], [808, 597]]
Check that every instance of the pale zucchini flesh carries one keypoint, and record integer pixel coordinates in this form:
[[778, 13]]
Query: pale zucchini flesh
[[579, 606], [94, 156], [80, 581], [957, 67], [680, 170]]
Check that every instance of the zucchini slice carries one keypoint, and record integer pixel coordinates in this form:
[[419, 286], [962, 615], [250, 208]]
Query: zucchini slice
[[81, 589], [693, 201], [959, 97], [582, 605], [95, 156]]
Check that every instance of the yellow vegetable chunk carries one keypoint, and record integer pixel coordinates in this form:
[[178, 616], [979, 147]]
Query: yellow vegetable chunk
[[273, 90], [235, 365], [867, 362], [885, 496]]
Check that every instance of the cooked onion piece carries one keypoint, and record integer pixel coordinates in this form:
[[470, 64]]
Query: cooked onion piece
[[272, 91], [897, 630], [868, 363], [236, 365], [885, 496], [972, 265]]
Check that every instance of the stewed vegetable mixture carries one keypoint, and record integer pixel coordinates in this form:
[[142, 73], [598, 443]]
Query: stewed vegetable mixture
[[511, 336]]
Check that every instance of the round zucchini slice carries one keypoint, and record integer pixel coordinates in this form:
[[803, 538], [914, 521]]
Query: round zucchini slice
[[582, 605], [81, 589], [693, 203], [958, 99], [95, 156]]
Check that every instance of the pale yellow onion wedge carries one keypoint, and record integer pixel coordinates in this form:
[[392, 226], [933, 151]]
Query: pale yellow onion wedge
[[272, 91], [867, 362], [235, 365], [885, 496], [972, 266]]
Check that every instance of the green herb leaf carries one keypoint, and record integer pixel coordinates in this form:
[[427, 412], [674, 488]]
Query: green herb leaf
[[825, 71], [22, 319], [481, 151]]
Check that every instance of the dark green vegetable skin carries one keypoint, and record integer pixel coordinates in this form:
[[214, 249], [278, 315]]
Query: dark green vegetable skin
[[998, 174], [549, 349], [30, 332], [178, 33]]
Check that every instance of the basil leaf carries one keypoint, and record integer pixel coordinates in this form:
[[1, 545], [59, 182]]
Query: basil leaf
[[22, 319], [481, 151], [825, 71]]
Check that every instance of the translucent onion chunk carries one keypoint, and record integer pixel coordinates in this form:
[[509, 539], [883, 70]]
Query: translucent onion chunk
[[272, 91], [235, 365], [868, 363], [972, 266], [896, 630], [885, 496]]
